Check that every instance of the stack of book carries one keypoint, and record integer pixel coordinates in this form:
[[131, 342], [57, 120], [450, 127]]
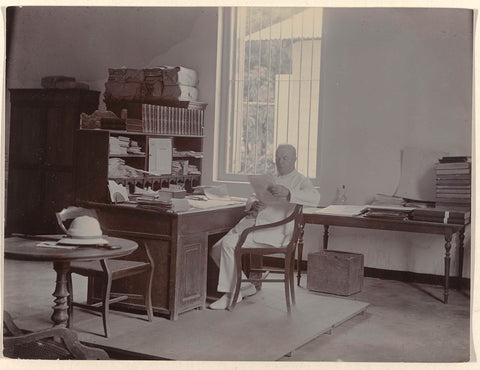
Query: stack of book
[[172, 205], [441, 216], [388, 212], [134, 125], [453, 190]]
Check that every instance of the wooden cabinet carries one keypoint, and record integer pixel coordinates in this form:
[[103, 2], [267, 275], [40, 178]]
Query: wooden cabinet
[[93, 150], [40, 175]]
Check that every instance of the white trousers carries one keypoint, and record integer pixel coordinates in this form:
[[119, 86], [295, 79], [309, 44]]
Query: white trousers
[[223, 253]]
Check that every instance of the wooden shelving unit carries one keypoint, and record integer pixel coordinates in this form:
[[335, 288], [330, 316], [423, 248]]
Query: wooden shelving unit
[[92, 148]]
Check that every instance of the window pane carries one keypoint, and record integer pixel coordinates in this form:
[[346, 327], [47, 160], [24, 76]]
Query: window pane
[[274, 88]]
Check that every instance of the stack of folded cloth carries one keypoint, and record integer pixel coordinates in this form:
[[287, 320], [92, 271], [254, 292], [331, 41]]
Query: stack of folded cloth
[[118, 169], [134, 148]]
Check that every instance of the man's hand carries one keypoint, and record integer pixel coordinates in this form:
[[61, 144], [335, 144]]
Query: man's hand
[[258, 206], [279, 191]]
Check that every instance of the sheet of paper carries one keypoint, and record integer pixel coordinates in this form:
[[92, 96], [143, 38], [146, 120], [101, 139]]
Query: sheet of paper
[[219, 192], [260, 184], [337, 210], [118, 192], [55, 245], [417, 178], [160, 155], [204, 204]]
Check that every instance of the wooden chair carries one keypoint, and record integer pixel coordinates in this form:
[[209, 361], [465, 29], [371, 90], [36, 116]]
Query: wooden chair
[[48, 344], [288, 251], [107, 270]]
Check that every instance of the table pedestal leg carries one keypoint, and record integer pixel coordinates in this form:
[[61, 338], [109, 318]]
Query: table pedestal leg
[[461, 238], [448, 246], [60, 310], [325, 236]]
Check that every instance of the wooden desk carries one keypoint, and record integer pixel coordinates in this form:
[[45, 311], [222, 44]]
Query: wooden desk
[[178, 243], [447, 230], [26, 249]]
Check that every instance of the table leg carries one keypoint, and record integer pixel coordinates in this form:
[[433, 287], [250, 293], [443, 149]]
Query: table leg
[[60, 310], [300, 254], [448, 246], [325, 236], [461, 238]]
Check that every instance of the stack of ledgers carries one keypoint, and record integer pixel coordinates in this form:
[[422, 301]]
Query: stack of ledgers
[[388, 212], [441, 216], [453, 190], [172, 205]]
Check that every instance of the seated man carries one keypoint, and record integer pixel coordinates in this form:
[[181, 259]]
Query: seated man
[[290, 188]]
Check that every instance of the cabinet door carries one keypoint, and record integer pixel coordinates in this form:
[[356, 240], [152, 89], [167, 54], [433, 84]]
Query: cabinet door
[[25, 200], [27, 135], [59, 131], [191, 272]]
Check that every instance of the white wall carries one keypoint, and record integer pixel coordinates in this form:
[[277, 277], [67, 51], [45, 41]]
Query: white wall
[[391, 78]]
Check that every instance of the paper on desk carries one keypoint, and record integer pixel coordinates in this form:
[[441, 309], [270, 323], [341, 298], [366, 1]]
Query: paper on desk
[[55, 245], [260, 185], [118, 192], [337, 210], [203, 204], [218, 192]]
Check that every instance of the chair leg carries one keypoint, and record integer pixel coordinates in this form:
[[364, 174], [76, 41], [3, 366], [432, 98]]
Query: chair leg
[[70, 300], [148, 295], [106, 305], [107, 287], [238, 263], [291, 279], [287, 283]]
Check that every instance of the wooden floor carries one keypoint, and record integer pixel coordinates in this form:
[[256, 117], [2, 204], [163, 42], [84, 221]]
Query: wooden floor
[[259, 329]]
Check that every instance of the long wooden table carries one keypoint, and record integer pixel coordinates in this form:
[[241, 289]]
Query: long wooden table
[[447, 230], [178, 243]]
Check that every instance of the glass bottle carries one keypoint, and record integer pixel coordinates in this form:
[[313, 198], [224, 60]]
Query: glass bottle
[[341, 196]]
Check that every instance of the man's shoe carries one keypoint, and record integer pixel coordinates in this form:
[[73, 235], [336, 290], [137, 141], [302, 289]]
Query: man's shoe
[[223, 302], [248, 290]]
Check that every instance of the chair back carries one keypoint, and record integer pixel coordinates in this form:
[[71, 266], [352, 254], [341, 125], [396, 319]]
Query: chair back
[[297, 217], [72, 212]]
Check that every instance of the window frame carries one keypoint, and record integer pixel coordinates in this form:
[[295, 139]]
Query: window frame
[[226, 66]]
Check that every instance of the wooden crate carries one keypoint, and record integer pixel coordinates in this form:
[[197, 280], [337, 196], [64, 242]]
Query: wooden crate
[[335, 272]]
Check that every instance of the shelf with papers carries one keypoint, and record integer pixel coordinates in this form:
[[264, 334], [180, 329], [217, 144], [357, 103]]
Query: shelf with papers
[[104, 155]]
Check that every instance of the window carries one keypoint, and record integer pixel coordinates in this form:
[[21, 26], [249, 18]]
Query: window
[[270, 89]]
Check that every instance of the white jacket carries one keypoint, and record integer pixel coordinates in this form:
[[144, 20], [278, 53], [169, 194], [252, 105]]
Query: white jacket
[[302, 192]]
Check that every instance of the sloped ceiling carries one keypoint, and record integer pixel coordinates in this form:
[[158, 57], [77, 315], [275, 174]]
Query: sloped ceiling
[[69, 39]]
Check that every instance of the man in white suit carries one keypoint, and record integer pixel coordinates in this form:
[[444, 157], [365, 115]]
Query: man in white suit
[[289, 188]]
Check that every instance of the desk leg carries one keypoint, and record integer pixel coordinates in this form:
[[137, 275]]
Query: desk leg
[[325, 236], [60, 310], [461, 238], [300, 254], [448, 246]]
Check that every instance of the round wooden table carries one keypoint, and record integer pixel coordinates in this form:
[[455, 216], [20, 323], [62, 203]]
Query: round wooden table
[[26, 249]]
